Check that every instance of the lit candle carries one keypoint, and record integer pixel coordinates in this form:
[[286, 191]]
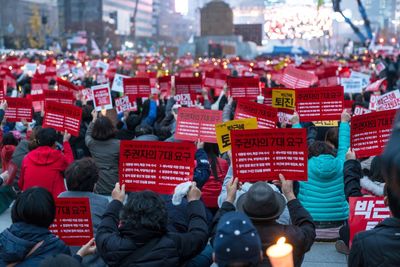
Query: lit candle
[[280, 255]]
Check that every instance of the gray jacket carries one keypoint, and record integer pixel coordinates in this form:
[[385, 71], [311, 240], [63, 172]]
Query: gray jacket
[[106, 156]]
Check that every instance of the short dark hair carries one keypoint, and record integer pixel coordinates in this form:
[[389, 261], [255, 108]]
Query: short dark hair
[[332, 136], [132, 121], [60, 260], [34, 206], [145, 209], [9, 139], [103, 129], [46, 137], [82, 175], [143, 130], [318, 148]]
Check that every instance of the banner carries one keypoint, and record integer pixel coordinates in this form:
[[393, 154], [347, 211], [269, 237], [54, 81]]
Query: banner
[[320, 104], [267, 117], [352, 85], [123, 104], [62, 117], [136, 87], [370, 132], [244, 87], [366, 213], [156, 166], [223, 131], [193, 124], [389, 101], [188, 85], [260, 155], [18, 109], [284, 98], [73, 222], [102, 97]]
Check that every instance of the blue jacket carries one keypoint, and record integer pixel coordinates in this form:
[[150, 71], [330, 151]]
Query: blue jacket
[[17, 241], [323, 194]]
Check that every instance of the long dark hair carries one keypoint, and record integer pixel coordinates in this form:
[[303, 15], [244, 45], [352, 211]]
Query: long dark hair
[[212, 151]]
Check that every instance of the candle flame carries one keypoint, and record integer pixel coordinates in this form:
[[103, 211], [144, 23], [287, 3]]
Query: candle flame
[[281, 241]]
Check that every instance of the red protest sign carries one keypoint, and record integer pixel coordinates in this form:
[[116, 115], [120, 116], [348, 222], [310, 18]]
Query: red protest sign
[[64, 85], [3, 89], [359, 110], [297, 78], [39, 85], [62, 117], [244, 87], [193, 124], [64, 97], [366, 213], [267, 117], [123, 104], [215, 79], [157, 166], [73, 222], [136, 87], [102, 97], [164, 84], [188, 85], [18, 109], [265, 153], [370, 132], [320, 104]]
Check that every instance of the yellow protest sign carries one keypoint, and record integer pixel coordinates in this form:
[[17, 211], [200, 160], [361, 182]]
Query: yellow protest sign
[[223, 131], [284, 98], [326, 123]]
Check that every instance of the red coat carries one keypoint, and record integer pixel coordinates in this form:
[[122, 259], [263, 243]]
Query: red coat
[[6, 155], [212, 188], [45, 167]]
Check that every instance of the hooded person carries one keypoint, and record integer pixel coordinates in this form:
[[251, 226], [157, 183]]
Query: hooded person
[[45, 165]]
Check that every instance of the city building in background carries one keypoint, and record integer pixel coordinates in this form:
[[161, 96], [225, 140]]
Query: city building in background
[[216, 19], [250, 32]]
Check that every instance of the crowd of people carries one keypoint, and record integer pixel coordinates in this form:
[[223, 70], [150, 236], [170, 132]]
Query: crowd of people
[[220, 221]]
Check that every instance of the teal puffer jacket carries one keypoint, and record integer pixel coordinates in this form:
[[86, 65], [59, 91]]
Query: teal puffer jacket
[[323, 194]]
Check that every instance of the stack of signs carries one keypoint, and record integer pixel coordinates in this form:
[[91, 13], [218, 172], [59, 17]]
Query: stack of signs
[[194, 124], [157, 166], [267, 117], [366, 213], [320, 104], [102, 97], [18, 109], [63, 117], [370, 132], [73, 221], [223, 131], [244, 87], [259, 155]]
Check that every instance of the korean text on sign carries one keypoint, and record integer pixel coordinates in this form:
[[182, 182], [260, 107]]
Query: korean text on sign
[[157, 166], [284, 98], [102, 97], [136, 87], [244, 87], [223, 131], [366, 213], [63, 117], [265, 153], [73, 222], [193, 124], [18, 109], [370, 132], [267, 117]]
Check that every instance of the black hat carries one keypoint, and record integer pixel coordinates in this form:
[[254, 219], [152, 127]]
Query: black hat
[[261, 202]]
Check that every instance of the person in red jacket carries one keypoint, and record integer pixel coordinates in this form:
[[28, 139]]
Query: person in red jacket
[[45, 165]]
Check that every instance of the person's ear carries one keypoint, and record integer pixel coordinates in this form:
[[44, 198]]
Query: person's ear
[[213, 257], [386, 201]]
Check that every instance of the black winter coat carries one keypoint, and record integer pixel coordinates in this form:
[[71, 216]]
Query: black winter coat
[[115, 244]]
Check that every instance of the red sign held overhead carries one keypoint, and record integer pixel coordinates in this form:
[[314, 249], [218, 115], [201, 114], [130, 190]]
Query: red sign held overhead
[[297, 78], [73, 222], [366, 213], [157, 166], [194, 124], [18, 109], [64, 97], [3, 89], [259, 155], [244, 87], [320, 104], [136, 87], [64, 85], [164, 84], [63, 117], [370, 132], [267, 117], [39, 85], [188, 85]]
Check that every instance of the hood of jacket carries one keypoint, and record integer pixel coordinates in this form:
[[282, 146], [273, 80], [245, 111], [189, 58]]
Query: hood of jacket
[[44, 155], [20, 238], [325, 166]]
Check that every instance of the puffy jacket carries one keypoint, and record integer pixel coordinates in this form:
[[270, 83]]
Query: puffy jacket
[[45, 167], [378, 247], [323, 194], [106, 155], [17, 241]]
